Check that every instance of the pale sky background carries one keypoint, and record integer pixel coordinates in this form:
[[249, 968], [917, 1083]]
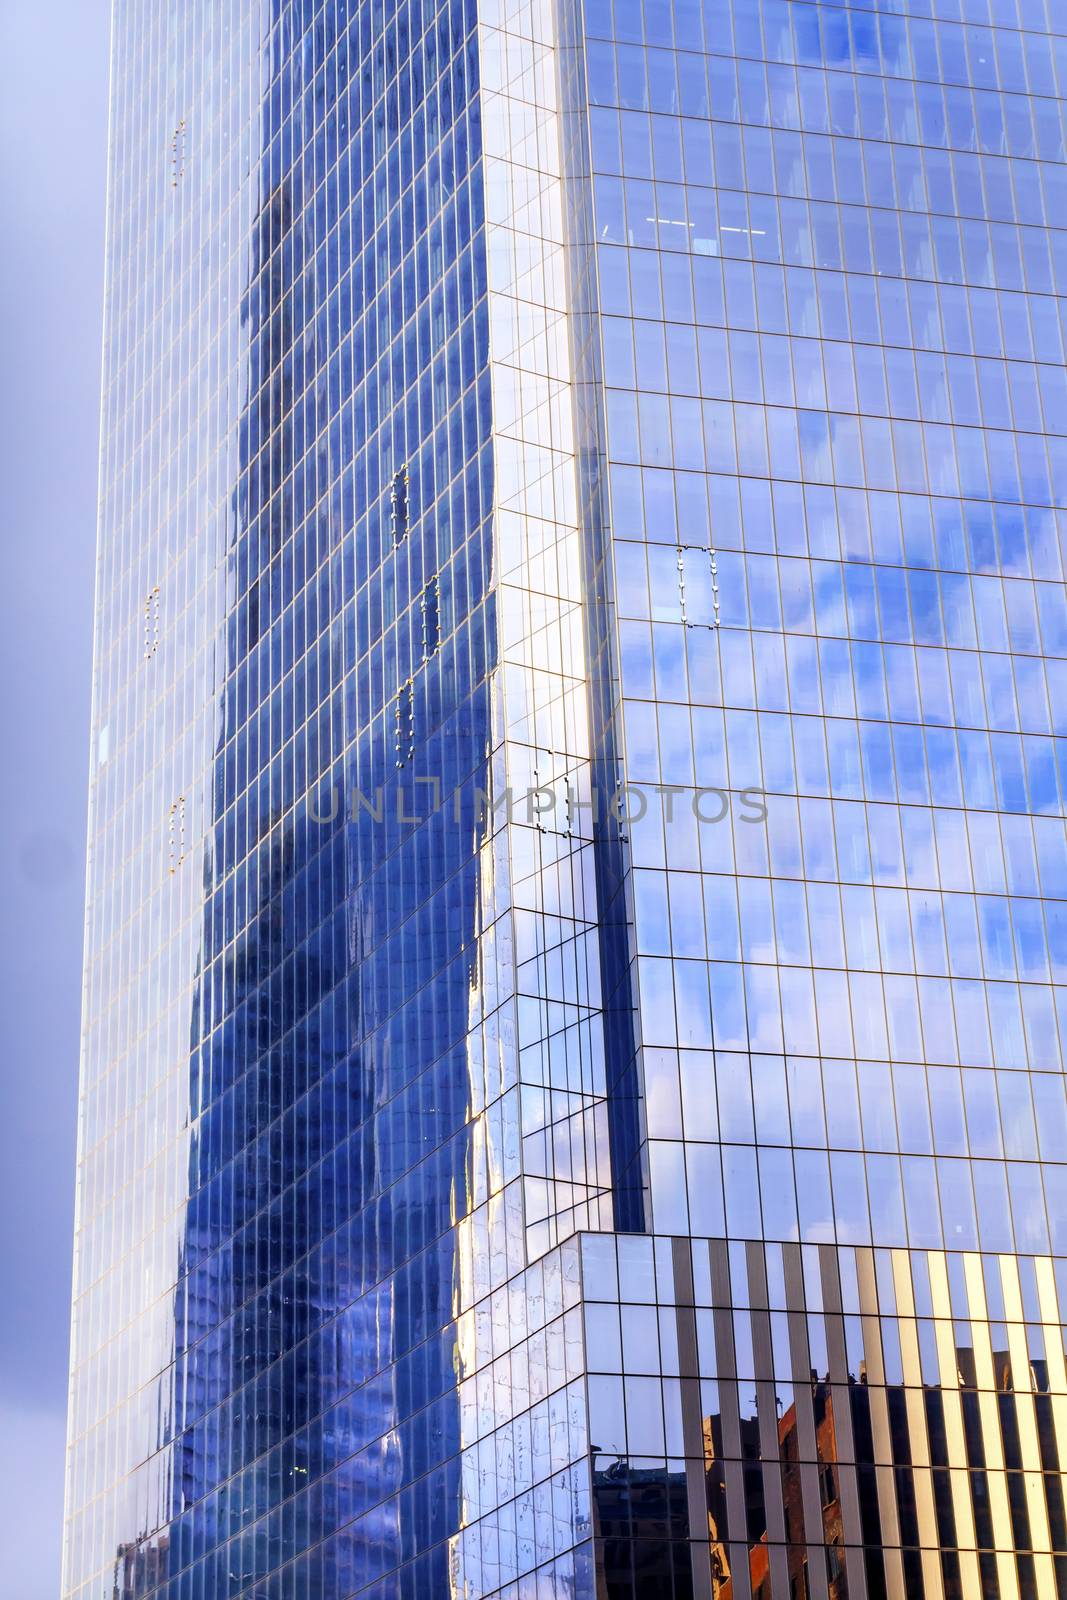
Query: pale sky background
[[53, 136]]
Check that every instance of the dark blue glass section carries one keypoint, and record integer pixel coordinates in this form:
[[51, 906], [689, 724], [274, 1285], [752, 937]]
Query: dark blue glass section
[[607, 763], [314, 1418]]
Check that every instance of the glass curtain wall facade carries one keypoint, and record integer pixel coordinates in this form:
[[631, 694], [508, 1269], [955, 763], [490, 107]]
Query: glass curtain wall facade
[[572, 1098], [819, 276]]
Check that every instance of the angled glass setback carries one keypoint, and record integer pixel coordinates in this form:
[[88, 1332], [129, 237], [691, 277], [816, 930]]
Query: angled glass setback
[[573, 1097]]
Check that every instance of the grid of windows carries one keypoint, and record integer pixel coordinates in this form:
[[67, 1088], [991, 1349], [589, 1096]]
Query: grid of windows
[[511, 406], [276, 1139], [782, 1418], [819, 287], [854, 423]]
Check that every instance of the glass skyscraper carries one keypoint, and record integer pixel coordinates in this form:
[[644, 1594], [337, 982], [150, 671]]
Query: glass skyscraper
[[573, 1088]]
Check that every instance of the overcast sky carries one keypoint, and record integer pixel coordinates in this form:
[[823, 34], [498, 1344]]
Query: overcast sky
[[53, 133]]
